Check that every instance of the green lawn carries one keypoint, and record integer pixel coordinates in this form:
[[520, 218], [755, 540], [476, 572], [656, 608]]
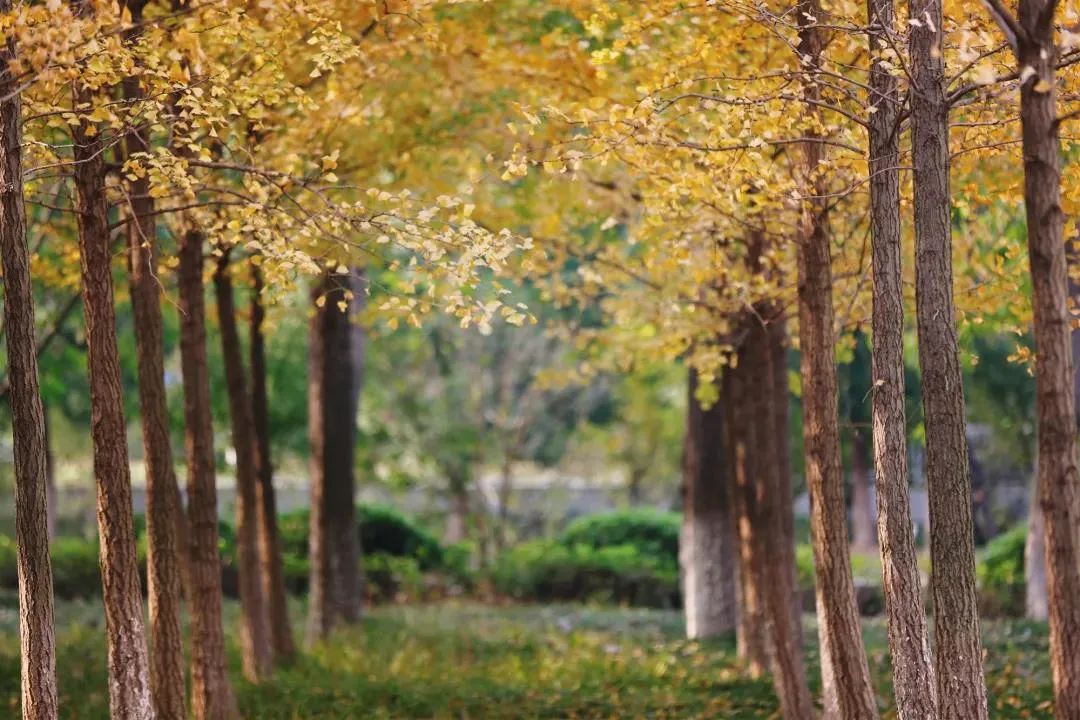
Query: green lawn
[[472, 661]]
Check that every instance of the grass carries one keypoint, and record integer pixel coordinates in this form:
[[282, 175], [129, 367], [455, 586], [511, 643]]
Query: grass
[[472, 661]]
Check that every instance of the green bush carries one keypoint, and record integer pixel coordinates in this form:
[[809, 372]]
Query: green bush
[[390, 577], [545, 571], [1001, 574], [653, 533]]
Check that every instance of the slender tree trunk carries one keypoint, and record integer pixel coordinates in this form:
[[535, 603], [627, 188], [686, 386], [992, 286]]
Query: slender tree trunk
[[863, 534], [211, 692], [844, 671], [129, 690], [506, 489], [769, 505], [162, 498], [739, 431], [334, 542], [273, 578], [1058, 475], [255, 628], [958, 647], [38, 644], [457, 522], [1036, 599], [707, 547], [909, 646]]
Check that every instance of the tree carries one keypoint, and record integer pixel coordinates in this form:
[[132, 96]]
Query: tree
[[707, 544], [273, 579], [1031, 34], [163, 510], [129, 690], [334, 543], [211, 692], [958, 646], [38, 666], [255, 628], [913, 673]]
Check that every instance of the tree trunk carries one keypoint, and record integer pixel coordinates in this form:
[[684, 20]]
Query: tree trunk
[[506, 489], [958, 647], [862, 506], [211, 693], [334, 543], [162, 497], [272, 575], [129, 690], [38, 643], [845, 674], [255, 626], [738, 454], [707, 547], [1057, 469], [1036, 600], [768, 507], [909, 646], [457, 522]]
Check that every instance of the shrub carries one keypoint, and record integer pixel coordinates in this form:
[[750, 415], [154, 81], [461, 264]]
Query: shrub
[[1001, 574], [547, 571], [652, 533], [390, 577]]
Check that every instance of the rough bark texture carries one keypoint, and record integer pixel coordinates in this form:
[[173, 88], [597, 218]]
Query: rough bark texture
[[255, 625], [272, 575], [845, 675], [707, 546], [162, 496], [211, 692], [750, 634], [37, 640], [769, 505], [334, 542], [129, 689], [1058, 475], [957, 647], [913, 674]]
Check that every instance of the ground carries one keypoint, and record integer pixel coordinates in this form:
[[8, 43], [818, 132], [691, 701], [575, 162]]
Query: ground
[[467, 661]]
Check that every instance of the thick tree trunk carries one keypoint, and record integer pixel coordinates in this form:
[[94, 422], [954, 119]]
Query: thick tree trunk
[[770, 504], [913, 674], [738, 394], [255, 626], [334, 542], [1058, 476], [844, 671], [211, 693], [1036, 599], [273, 578], [129, 689], [958, 647], [707, 546], [38, 643], [162, 497]]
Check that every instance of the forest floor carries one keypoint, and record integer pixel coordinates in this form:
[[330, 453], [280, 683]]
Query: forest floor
[[473, 661]]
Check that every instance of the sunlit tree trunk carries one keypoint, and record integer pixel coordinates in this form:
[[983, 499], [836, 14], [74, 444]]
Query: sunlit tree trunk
[[271, 572], [38, 643], [707, 545], [1036, 600], [211, 692], [912, 669], [129, 675], [162, 496], [255, 625], [958, 646]]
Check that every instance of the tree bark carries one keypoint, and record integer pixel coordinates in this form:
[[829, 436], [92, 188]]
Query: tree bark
[[707, 547], [958, 647], [255, 626], [913, 673], [129, 690], [272, 574], [845, 674], [38, 643], [211, 692], [162, 496], [334, 542], [768, 506], [1058, 476]]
